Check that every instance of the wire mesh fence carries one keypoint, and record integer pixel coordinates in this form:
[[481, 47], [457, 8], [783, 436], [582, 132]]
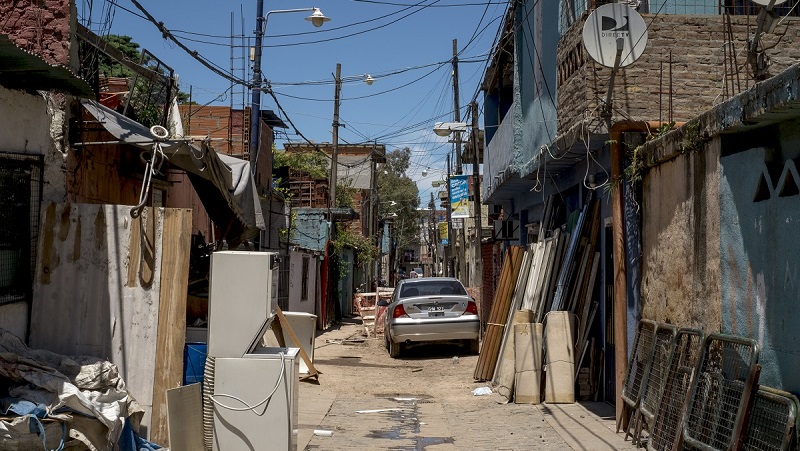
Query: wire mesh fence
[[719, 392], [640, 360], [658, 371], [772, 421], [20, 200], [669, 417]]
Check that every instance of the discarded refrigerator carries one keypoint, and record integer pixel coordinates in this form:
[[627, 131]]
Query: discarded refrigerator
[[250, 391]]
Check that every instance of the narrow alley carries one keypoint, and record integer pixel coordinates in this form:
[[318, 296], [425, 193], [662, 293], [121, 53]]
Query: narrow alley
[[424, 401]]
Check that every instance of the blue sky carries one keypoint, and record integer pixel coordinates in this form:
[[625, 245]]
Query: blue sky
[[400, 51]]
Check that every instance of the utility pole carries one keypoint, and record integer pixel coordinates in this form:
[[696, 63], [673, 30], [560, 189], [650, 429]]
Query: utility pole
[[456, 105], [335, 151], [255, 99], [373, 213], [477, 263], [448, 253], [460, 235]]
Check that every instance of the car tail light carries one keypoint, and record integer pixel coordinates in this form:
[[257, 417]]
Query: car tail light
[[399, 311], [472, 308]]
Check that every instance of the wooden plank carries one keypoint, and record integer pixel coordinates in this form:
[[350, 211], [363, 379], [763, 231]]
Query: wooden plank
[[547, 300], [566, 269], [312, 371], [541, 287], [484, 368], [483, 356], [584, 323], [578, 281], [516, 261], [176, 242], [503, 377], [592, 234]]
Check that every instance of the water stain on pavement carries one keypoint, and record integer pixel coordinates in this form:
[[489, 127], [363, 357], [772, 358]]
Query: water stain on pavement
[[408, 425]]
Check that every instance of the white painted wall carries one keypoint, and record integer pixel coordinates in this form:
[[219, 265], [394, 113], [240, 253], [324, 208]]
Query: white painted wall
[[35, 125], [26, 124], [14, 318], [296, 282]]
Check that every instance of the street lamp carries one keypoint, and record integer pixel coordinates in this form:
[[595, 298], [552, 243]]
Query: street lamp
[[445, 129], [317, 19]]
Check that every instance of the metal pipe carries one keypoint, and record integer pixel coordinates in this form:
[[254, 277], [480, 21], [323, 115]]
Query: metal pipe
[[618, 225]]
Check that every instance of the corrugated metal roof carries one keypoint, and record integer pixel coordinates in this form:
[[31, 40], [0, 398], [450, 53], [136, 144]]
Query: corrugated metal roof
[[23, 70]]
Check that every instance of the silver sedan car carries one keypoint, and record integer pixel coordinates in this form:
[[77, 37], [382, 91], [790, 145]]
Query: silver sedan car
[[430, 309]]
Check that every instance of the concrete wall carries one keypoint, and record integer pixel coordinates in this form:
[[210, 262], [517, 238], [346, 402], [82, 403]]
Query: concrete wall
[[697, 45], [680, 241], [296, 282], [759, 238]]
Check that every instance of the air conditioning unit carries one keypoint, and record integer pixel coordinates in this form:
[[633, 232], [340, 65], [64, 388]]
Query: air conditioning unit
[[506, 230]]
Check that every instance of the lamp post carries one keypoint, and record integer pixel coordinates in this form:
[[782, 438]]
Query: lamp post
[[445, 129], [317, 19]]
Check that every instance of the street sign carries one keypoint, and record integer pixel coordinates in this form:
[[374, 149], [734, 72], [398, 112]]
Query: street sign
[[459, 196]]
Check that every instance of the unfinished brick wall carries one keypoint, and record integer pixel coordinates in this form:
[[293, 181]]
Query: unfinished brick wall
[[39, 26], [700, 53], [488, 279]]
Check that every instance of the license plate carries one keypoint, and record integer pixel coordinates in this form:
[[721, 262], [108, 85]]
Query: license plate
[[436, 308]]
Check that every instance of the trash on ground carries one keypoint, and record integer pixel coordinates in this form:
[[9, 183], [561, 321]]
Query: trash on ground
[[323, 433], [482, 391]]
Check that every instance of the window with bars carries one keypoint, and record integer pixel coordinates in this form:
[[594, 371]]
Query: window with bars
[[20, 200]]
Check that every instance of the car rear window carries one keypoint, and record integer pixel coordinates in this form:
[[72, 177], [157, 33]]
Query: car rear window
[[432, 288]]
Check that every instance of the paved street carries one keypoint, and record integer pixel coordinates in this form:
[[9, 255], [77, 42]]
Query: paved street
[[424, 401]]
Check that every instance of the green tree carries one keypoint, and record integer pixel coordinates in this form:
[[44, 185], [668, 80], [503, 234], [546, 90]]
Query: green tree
[[399, 195]]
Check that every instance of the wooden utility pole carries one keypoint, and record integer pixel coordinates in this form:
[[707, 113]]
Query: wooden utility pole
[[335, 139], [477, 264], [456, 105]]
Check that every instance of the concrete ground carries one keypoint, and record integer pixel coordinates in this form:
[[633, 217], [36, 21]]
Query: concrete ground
[[423, 401]]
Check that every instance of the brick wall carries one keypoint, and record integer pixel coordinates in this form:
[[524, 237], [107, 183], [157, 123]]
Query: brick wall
[[488, 281], [41, 27], [699, 57]]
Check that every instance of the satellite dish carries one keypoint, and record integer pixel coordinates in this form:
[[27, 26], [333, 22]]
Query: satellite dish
[[159, 133], [613, 26], [767, 2]]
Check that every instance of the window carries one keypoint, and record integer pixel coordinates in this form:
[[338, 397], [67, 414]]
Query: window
[[432, 288], [20, 200], [304, 287]]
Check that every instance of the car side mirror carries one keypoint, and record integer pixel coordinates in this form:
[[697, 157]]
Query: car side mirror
[[382, 303]]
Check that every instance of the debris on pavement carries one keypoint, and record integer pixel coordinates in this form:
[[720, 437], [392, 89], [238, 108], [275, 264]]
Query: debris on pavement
[[323, 433], [482, 391], [51, 395]]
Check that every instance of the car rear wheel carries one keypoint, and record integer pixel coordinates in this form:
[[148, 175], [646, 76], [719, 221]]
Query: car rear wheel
[[474, 346], [395, 349]]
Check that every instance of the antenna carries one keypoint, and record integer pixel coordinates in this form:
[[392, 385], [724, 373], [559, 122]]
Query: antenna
[[759, 62], [611, 27], [615, 36]]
